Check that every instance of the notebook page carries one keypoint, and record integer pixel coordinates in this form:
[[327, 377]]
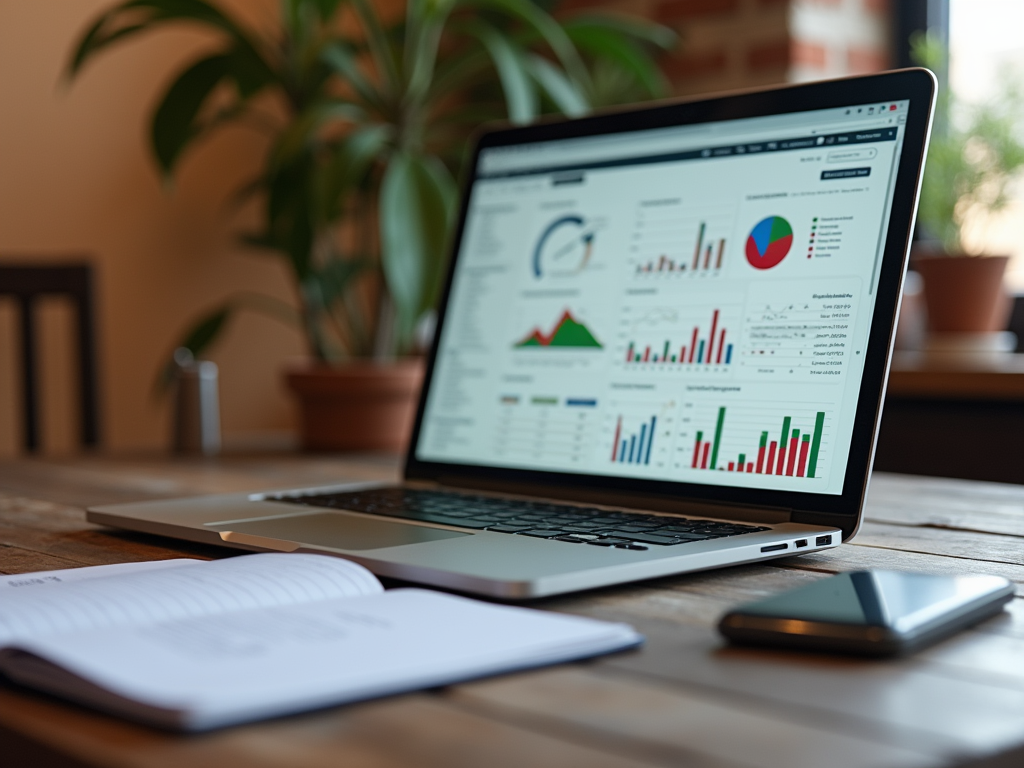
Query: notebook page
[[219, 586], [67, 575], [235, 667]]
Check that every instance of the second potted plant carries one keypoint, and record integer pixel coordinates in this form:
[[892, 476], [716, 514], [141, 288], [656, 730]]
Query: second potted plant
[[975, 152]]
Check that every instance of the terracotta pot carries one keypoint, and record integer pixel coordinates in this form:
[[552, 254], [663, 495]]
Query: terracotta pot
[[964, 294], [361, 406]]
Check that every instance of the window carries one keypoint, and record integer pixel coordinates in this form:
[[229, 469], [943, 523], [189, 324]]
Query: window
[[985, 45]]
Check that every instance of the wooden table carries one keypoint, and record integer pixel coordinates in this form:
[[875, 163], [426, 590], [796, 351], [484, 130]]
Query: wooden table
[[684, 699]]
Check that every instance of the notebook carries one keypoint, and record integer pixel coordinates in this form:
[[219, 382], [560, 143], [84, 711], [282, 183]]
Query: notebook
[[192, 645]]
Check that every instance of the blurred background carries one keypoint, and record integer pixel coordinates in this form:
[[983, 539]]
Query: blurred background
[[77, 179]]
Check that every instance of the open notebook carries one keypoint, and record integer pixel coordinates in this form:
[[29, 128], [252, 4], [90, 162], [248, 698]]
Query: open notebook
[[193, 645]]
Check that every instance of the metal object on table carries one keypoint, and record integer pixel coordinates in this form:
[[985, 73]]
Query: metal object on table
[[197, 405]]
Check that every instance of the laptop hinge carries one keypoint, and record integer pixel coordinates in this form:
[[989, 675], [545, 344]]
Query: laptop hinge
[[652, 502]]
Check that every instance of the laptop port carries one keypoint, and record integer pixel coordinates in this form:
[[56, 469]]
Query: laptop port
[[774, 547], [823, 541], [800, 543]]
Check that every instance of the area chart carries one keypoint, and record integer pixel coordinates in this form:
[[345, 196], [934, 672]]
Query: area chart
[[568, 332]]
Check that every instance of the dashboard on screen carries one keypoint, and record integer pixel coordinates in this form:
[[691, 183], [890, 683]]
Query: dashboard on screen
[[681, 304]]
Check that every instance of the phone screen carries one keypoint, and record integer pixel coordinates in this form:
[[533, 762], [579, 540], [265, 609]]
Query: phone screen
[[876, 612], [900, 601]]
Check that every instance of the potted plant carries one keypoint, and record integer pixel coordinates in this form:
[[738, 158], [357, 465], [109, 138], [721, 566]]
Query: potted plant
[[370, 117], [975, 152]]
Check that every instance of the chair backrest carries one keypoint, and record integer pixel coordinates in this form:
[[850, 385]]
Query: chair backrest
[[26, 283]]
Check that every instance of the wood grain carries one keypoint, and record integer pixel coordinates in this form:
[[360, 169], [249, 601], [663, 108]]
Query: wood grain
[[958, 505], [680, 725], [684, 699], [420, 730]]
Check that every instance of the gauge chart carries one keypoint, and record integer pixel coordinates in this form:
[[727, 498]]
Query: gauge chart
[[565, 247]]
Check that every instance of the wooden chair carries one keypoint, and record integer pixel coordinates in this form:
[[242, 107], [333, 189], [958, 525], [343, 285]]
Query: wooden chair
[[26, 283]]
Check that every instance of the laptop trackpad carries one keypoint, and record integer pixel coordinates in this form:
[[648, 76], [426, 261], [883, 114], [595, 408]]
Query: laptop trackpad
[[340, 531]]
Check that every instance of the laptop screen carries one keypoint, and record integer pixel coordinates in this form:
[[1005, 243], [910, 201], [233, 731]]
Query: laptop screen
[[681, 304]]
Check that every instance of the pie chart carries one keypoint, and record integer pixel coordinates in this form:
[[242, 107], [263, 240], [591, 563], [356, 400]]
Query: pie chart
[[769, 242]]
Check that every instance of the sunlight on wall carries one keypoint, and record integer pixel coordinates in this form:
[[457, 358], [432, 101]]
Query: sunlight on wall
[[985, 45]]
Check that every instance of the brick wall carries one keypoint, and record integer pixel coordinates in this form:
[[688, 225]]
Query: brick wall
[[727, 44], [831, 38]]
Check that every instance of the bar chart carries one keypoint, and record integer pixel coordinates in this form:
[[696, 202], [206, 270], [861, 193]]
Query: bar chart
[[634, 447], [670, 241], [709, 345], [707, 257], [741, 440]]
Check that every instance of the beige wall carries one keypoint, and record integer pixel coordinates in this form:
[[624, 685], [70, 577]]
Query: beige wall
[[76, 176]]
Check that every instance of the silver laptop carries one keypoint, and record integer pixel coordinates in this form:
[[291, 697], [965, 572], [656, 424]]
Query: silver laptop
[[662, 347]]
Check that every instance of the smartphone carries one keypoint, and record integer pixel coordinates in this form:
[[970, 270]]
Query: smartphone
[[874, 613]]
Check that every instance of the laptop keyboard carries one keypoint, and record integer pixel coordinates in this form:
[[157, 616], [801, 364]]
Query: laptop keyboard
[[561, 522]]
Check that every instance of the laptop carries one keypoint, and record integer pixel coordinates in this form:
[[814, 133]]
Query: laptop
[[662, 347]]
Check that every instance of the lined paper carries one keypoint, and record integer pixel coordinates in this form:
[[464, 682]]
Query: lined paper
[[187, 591]]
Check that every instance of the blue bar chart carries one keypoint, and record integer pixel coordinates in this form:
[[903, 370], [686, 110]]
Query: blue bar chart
[[635, 447]]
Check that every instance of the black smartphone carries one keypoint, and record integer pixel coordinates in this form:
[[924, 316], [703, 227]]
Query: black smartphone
[[874, 613]]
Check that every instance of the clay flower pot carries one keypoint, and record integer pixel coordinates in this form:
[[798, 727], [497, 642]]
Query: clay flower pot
[[359, 406], [964, 294]]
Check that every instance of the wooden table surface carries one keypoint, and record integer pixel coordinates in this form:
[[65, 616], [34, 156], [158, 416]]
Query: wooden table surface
[[685, 699]]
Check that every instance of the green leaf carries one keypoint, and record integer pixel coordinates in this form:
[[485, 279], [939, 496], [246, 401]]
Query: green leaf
[[291, 213], [249, 71], [136, 16], [423, 39], [336, 277], [413, 225], [301, 134], [380, 46], [206, 330], [626, 27], [547, 27], [351, 160], [197, 339], [563, 93], [610, 44], [459, 69], [342, 59], [520, 96], [446, 191], [175, 121], [201, 335]]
